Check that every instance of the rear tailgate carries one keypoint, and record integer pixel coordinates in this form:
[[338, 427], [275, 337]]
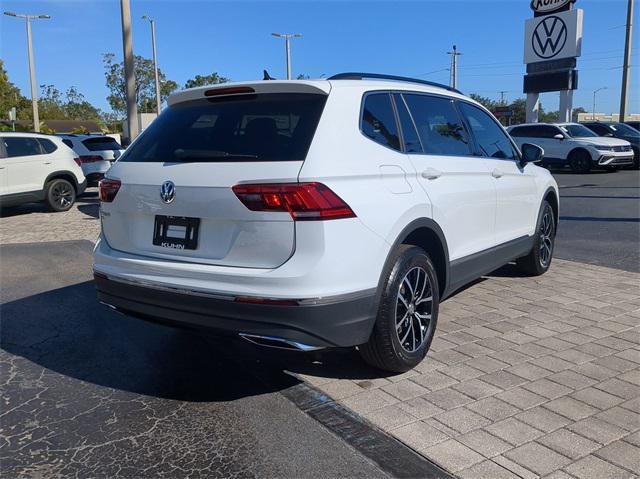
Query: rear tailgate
[[203, 147]]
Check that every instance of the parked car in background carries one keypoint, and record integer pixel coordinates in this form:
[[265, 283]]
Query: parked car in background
[[574, 145], [36, 167], [95, 153], [618, 130], [633, 124], [312, 214]]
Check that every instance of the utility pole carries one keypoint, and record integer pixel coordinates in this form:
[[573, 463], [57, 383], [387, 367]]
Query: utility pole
[[155, 62], [503, 99], [287, 46], [129, 72], [627, 63], [454, 66], [593, 114], [32, 68]]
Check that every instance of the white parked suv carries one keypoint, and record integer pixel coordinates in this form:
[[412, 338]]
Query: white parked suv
[[575, 145], [96, 153], [311, 214], [36, 167]]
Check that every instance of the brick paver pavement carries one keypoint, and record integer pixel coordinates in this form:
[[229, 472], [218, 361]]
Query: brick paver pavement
[[526, 377]]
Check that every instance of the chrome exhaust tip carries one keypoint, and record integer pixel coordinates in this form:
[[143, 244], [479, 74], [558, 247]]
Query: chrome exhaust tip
[[278, 343]]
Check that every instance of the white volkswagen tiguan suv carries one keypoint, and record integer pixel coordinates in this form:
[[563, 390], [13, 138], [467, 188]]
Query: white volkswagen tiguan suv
[[574, 145], [312, 214]]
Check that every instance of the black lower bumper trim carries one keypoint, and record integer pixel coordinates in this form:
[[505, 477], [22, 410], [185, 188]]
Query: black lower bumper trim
[[340, 324]]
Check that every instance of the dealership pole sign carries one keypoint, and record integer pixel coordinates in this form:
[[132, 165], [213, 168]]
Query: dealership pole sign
[[552, 42]]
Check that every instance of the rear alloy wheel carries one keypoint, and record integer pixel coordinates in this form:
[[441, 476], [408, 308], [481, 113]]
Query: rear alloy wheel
[[580, 161], [60, 195], [537, 262], [407, 315]]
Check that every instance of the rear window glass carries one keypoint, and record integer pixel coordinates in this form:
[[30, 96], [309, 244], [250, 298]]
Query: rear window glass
[[101, 144], [68, 143], [379, 121], [47, 145], [265, 127]]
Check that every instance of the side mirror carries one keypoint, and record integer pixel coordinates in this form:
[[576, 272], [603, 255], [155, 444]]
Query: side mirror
[[531, 153], [559, 136]]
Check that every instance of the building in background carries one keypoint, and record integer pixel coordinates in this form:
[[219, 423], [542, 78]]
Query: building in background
[[605, 117]]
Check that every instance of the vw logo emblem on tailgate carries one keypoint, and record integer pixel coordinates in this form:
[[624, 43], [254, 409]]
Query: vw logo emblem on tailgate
[[168, 191]]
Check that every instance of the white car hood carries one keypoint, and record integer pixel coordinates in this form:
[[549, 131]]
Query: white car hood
[[602, 141]]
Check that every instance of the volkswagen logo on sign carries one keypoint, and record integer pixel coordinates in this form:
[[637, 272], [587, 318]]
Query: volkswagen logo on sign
[[168, 191], [549, 37]]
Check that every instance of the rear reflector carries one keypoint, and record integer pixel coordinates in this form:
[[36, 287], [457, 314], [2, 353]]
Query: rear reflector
[[303, 201], [90, 159], [108, 189], [267, 301], [229, 91]]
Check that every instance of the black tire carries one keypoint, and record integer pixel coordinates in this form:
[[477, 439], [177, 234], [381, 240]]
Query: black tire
[[611, 169], [384, 350], [636, 159], [539, 259], [59, 195], [580, 161]]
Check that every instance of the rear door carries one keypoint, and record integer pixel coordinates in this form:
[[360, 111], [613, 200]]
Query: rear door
[[517, 207], [458, 183], [177, 176], [26, 164]]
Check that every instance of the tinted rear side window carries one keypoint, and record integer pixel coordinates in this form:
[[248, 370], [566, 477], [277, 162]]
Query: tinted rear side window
[[265, 127], [47, 145], [439, 125], [68, 143], [22, 146], [101, 144], [409, 133], [379, 121]]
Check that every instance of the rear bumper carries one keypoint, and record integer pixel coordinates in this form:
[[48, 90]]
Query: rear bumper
[[326, 322]]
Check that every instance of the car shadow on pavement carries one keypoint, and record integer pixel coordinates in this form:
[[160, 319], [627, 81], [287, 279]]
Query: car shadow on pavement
[[87, 203], [67, 331]]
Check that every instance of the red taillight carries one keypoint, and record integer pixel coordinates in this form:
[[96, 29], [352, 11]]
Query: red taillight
[[90, 159], [108, 189], [303, 201]]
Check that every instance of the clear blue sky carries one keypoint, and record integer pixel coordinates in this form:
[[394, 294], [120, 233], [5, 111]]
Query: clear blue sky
[[233, 38]]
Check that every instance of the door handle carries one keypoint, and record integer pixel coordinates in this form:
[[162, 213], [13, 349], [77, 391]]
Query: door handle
[[47, 162], [496, 173], [431, 174]]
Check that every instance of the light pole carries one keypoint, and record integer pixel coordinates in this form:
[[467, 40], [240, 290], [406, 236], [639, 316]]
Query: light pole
[[593, 114], [287, 45], [155, 61], [626, 70], [32, 71], [129, 70]]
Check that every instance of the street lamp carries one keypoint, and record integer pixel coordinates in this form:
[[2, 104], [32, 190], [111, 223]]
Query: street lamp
[[32, 72], [593, 114], [287, 46], [155, 61]]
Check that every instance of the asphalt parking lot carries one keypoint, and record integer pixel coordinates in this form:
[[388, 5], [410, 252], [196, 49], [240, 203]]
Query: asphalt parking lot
[[526, 377], [600, 218]]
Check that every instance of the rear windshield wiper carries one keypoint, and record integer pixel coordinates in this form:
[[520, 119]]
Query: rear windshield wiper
[[204, 155]]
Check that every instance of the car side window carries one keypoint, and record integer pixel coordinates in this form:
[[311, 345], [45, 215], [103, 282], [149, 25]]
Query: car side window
[[409, 134], [439, 126], [22, 146], [68, 143], [47, 145], [599, 129], [379, 120], [490, 138], [549, 131]]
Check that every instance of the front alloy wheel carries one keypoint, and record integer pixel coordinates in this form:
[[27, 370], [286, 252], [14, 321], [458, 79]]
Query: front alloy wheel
[[546, 239], [538, 260], [413, 309]]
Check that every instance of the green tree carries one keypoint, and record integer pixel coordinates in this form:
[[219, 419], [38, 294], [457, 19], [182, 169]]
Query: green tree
[[203, 80], [145, 84], [518, 111], [78, 108], [488, 103], [10, 96], [302, 76], [51, 104], [576, 111]]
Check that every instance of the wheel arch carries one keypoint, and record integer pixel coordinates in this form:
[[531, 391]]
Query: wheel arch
[[426, 234], [64, 175], [579, 149]]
